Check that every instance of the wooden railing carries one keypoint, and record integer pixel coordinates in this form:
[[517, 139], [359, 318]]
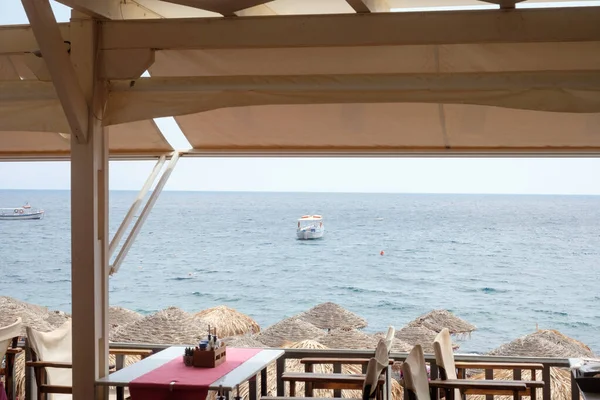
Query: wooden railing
[[548, 363]]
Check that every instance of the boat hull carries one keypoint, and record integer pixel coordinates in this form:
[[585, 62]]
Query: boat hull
[[307, 234], [15, 217]]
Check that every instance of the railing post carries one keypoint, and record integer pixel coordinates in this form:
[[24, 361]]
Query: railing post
[[574, 388], [433, 374], [489, 375], [337, 369], [280, 371], [308, 387], [264, 388], [547, 384]]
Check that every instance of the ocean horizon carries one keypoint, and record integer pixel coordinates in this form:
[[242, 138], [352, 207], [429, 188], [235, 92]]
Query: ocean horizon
[[321, 192], [506, 263]]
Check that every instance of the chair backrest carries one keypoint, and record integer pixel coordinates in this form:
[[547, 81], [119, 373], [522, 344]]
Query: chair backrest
[[7, 334], [375, 367], [444, 355], [414, 371], [54, 346], [381, 353], [389, 338]]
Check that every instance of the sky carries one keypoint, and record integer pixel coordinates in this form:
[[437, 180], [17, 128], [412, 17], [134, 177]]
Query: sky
[[400, 175]]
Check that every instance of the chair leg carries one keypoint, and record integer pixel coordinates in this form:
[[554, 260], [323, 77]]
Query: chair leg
[[8, 376]]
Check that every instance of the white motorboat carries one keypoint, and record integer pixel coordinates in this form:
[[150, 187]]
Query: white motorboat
[[310, 227], [25, 212]]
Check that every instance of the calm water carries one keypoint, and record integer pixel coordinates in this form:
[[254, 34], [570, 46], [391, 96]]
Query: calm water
[[504, 263]]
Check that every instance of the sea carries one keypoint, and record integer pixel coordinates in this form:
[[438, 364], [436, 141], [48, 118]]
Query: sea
[[507, 263]]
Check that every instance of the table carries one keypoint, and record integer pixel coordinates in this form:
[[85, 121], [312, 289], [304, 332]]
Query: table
[[575, 363], [248, 371]]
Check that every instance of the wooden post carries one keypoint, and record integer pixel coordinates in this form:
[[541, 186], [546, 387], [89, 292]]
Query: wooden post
[[89, 220]]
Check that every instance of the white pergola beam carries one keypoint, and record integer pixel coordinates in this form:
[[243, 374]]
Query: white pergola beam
[[504, 4], [411, 152], [367, 6], [135, 206], [227, 8], [144, 214], [572, 24], [547, 91], [147, 98], [144, 88], [19, 39], [111, 9], [49, 38], [375, 29]]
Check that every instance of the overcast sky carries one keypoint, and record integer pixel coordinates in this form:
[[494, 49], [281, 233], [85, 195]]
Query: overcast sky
[[539, 176]]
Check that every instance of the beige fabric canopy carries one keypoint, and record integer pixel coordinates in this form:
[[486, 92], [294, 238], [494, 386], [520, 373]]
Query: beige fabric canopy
[[142, 138], [537, 92]]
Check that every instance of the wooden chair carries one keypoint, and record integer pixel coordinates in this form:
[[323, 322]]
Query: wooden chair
[[338, 381], [418, 386], [444, 357], [51, 359], [8, 348], [371, 383]]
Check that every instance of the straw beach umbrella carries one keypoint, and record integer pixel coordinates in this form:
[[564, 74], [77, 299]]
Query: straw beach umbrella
[[344, 338], [243, 341], [229, 322], [19, 374], [119, 316], [331, 316], [294, 365], [542, 343], [168, 326], [288, 330], [437, 320], [38, 317], [398, 345], [417, 334]]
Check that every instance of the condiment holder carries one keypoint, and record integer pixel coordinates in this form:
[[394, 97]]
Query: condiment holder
[[209, 353]]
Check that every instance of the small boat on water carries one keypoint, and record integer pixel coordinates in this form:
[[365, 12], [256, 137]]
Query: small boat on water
[[25, 212], [310, 227]]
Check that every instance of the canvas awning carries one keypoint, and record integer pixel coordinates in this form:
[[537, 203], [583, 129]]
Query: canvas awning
[[487, 82]]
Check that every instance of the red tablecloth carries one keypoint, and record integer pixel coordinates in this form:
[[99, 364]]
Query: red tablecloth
[[190, 383], [2, 392]]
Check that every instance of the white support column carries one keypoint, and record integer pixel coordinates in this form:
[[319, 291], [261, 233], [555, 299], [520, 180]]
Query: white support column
[[89, 221]]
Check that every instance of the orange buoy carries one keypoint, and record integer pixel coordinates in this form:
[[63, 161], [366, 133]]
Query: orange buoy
[[381, 253]]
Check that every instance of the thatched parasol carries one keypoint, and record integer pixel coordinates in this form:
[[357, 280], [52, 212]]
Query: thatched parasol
[[437, 320], [37, 317], [119, 316], [243, 341], [229, 322], [294, 365], [417, 334], [398, 345], [560, 381], [331, 316], [288, 330], [19, 374], [544, 343], [169, 326], [348, 339]]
